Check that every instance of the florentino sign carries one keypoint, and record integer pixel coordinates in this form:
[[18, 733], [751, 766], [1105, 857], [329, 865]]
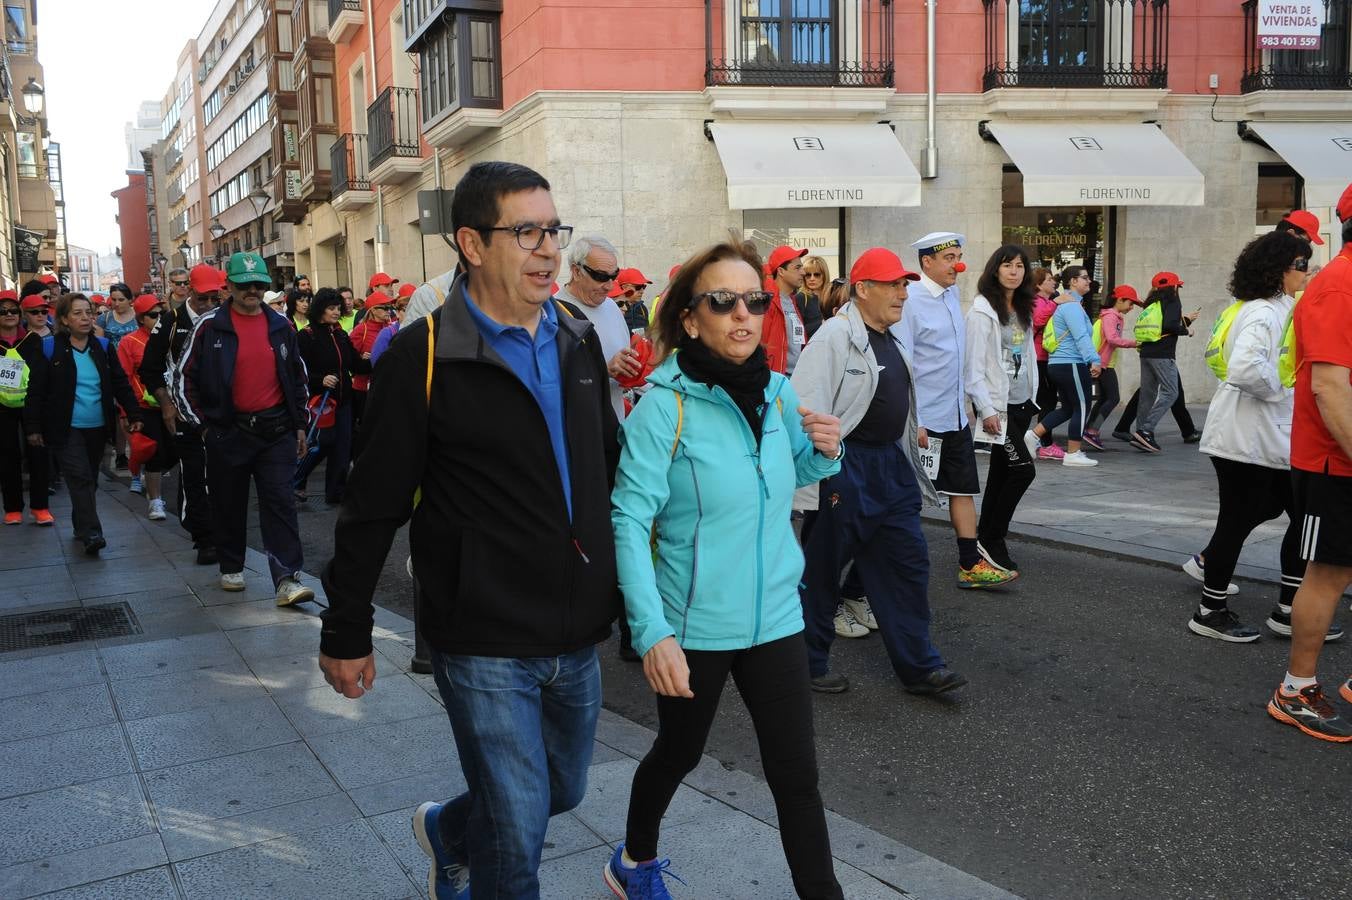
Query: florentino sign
[[1287, 25], [808, 195]]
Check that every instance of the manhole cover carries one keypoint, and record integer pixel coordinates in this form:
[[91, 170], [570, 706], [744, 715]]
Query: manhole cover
[[66, 626]]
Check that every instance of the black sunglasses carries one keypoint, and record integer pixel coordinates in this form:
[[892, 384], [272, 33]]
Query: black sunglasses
[[1301, 264], [179, 283], [153, 314], [724, 302], [598, 276], [9, 310]]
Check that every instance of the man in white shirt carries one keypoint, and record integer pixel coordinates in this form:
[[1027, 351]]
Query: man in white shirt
[[594, 264]]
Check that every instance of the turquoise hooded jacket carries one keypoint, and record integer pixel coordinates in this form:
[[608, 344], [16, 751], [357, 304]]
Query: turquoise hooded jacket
[[726, 571]]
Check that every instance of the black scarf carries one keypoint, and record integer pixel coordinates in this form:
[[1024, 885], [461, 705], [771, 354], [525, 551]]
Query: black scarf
[[745, 382]]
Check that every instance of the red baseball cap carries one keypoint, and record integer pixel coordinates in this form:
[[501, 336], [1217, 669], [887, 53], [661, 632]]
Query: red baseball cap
[[204, 278], [98, 300], [145, 303], [880, 264], [1307, 222], [1164, 280], [14, 295], [627, 276], [1127, 292], [671, 273], [32, 301], [375, 299], [780, 256], [380, 279], [407, 288], [49, 278], [1345, 205]]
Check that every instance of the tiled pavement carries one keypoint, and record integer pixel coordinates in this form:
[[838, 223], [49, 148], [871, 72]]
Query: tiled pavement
[[205, 757]]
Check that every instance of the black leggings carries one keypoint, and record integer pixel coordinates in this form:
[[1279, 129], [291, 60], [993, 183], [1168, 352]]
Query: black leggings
[[1074, 387], [1046, 398], [1011, 472], [1107, 399], [14, 451], [773, 681], [1249, 496]]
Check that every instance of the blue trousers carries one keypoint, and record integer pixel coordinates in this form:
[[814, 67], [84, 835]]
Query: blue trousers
[[870, 512], [524, 729]]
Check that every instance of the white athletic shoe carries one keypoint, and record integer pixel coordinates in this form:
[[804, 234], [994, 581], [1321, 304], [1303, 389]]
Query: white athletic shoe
[[1032, 443], [290, 592], [156, 513], [862, 612], [1079, 458], [1196, 568], [234, 581], [846, 624]]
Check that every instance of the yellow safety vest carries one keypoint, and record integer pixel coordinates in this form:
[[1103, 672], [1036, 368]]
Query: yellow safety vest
[[13, 379], [1288, 359], [1150, 324]]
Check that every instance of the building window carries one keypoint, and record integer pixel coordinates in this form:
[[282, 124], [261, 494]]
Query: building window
[[459, 61], [26, 143], [1059, 33], [253, 120], [16, 27], [1055, 236], [816, 230], [1279, 191]]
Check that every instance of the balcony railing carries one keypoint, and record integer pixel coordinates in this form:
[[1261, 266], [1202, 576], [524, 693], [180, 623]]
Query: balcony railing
[[348, 162], [172, 157], [1322, 69], [174, 194], [1077, 43], [340, 6], [806, 43], [392, 124]]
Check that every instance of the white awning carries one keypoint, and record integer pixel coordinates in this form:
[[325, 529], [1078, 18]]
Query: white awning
[[1095, 164], [1320, 151], [778, 165]]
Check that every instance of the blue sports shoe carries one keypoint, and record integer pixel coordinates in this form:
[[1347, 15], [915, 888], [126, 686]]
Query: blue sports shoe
[[641, 883], [447, 879]]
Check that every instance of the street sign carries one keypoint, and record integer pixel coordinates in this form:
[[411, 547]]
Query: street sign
[[27, 243], [1286, 25]]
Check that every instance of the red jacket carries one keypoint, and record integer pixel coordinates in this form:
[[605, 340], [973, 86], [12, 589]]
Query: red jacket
[[775, 331], [364, 339]]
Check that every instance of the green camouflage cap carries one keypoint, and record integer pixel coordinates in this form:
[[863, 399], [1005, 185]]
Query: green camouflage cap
[[247, 267]]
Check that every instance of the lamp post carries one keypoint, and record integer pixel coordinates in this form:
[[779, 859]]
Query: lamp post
[[217, 231], [185, 249], [258, 199], [33, 97]]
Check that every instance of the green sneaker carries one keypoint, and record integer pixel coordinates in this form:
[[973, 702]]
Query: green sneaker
[[983, 575]]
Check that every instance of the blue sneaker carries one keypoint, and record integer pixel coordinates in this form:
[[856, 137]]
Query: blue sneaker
[[641, 883], [447, 879], [136, 486]]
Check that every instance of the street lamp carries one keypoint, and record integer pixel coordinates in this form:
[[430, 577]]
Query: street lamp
[[32, 96], [217, 231], [258, 199], [186, 250]]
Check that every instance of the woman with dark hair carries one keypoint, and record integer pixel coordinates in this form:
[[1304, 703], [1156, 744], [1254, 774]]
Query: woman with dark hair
[[1001, 382], [1071, 366], [20, 351], [1111, 328], [1248, 435], [115, 323], [1158, 327], [298, 308], [720, 594], [1044, 305], [70, 408], [331, 361]]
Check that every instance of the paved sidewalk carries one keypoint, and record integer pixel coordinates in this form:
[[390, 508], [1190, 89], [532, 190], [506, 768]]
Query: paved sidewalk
[[205, 757]]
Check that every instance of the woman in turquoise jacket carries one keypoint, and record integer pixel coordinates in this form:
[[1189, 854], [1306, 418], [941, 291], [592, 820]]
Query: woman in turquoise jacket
[[711, 457], [1072, 367]]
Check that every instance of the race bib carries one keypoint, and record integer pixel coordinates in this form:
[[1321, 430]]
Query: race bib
[[929, 458], [799, 332], [11, 373]]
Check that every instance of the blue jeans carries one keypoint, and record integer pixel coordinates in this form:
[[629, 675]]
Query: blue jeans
[[525, 730]]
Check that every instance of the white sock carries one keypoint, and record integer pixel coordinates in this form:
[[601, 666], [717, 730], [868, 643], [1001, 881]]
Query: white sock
[[626, 861], [1294, 685]]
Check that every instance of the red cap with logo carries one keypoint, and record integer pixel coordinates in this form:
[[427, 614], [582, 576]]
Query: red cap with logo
[[145, 303], [880, 264], [407, 288], [1345, 205], [204, 279], [1126, 292], [1307, 222], [780, 256], [630, 277], [380, 279], [1165, 280]]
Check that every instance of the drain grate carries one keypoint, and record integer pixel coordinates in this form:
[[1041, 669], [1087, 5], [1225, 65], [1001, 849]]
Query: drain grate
[[70, 625]]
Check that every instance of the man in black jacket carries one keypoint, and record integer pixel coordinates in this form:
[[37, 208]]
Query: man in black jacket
[[512, 440], [163, 352]]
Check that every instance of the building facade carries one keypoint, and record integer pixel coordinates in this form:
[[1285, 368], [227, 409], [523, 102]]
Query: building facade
[[135, 227], [84, 273]]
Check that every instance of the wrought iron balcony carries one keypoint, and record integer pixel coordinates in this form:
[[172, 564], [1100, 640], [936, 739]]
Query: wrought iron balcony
[[338, 7], [1077, 43], [1322, 69], [799, 43], [392, 124], [348, 163]]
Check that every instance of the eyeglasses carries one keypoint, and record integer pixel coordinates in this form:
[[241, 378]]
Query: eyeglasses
[[1301, 264], [531, 237], [179, 283], [635, 289], [9, 311], [813, 275], [724, 302], [599, 276], [153, 314], [39, 311]]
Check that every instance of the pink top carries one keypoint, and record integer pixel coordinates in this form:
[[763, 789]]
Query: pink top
[[1043, 309], [1113, 323]]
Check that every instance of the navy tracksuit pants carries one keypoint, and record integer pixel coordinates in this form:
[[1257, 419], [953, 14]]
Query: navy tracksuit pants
[[870, 512]]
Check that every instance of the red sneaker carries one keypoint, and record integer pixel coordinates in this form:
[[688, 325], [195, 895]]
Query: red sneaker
[[43, 517], [14, 518], [1346, 690]]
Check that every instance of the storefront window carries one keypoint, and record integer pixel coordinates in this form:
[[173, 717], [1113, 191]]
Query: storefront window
[[1279, 190], [1054, 236], [817, 230]]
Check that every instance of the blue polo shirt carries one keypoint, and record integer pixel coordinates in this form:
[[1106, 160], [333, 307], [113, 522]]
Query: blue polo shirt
[[536, 362]]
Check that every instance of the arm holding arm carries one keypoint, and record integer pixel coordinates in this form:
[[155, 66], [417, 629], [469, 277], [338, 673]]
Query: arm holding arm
[[810, 464]]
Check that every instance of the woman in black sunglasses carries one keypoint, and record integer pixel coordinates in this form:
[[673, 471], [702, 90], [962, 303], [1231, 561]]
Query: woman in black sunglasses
[[711, 459], [20, 350]]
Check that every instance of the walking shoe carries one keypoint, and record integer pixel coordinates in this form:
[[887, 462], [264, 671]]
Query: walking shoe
[[156, 513], [996, 553], [206, 555], [1092, 439], [1346, 690], [1079, 459], [1030, 440], [1223, 625], [936, 682], [1279, 622], [1196, 568], [42, 517], [14, 518], [862, 612], [983, 575], [1311, 713], [446, 878], [1051, 452], [1194, 438], [136, 486], [1123, 436], [232, 581], [830, 684], [93, 544], [644, 880], [1145, 440], [290, 592], [846, 625]]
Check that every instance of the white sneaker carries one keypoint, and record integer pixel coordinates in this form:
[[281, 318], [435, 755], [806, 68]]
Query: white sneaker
[[862, 612], [1196, 568], [846, 624], [290, 592], [1032, 443], [234, 581], [1079, 458], [156, 510]]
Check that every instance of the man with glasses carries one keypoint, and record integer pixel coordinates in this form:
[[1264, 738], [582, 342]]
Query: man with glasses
[[512, 441], [593, 265], [242, 383], [164, 350], [20, 350], [179, 287], [628, 295]]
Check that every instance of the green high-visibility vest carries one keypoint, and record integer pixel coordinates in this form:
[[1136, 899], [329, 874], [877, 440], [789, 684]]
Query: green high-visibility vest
[[1288, 360], [13, 379], [1150, 324]]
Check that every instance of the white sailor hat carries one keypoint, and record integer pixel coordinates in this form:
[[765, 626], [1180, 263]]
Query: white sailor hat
[[937, 241]]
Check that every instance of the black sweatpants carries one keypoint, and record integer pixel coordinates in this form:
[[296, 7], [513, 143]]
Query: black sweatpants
[[234, 458], [1108, 398], [1046, 398], [80, 456], [1011, 472], [194, 508], [1249, 496], [14, 452], [773, 681], [1179, 411]]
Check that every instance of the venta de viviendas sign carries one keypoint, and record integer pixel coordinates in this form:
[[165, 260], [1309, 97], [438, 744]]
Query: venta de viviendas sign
[[1286, 25]]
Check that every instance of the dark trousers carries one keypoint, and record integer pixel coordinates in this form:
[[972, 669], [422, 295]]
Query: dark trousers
[[1108, 398], [80, 456], [1249, 496], [14, 452], [335, 445], [1074, 387], [1046, 398], [870, 512], [194, 507], [773, 681], [1179, 411], [234, 457], [1011, 472]]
